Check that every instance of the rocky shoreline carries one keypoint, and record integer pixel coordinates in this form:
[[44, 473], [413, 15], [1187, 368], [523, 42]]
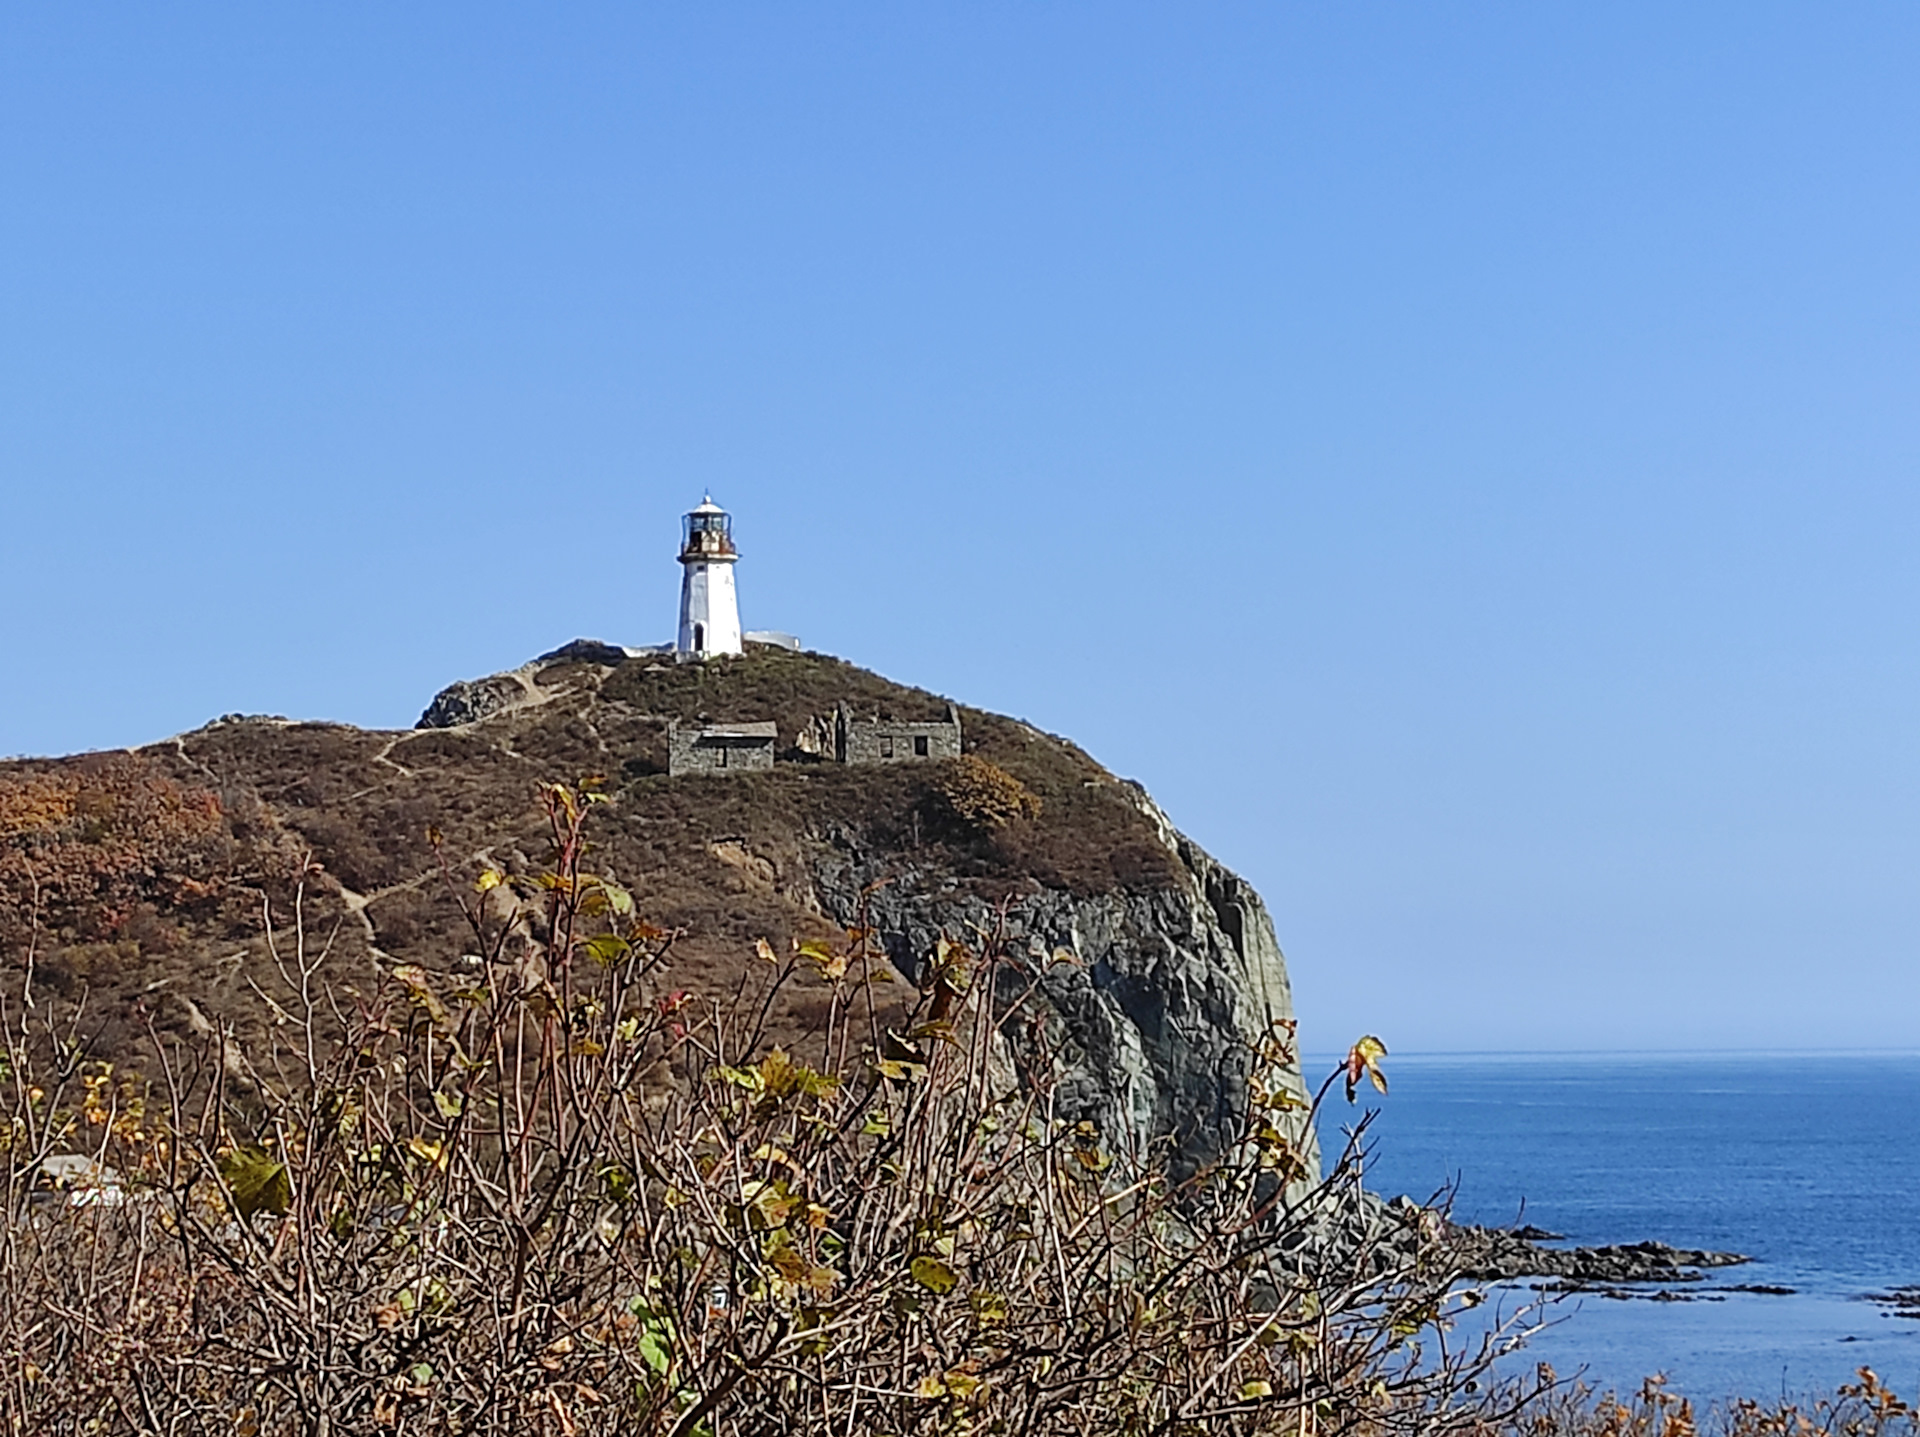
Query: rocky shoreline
[[1506, 1254], [1341, 1227]]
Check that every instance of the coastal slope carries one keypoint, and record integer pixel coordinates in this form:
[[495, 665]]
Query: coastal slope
[[140, 879]]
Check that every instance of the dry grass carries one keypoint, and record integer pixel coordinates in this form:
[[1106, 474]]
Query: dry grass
[[154, 866]]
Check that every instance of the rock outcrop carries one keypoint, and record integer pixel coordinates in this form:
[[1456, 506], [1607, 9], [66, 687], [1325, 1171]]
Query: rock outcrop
[[466, 701], [1156, 1001]]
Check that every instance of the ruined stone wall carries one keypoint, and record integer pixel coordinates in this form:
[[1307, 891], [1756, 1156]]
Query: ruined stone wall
[[737, 748], [861, 740]]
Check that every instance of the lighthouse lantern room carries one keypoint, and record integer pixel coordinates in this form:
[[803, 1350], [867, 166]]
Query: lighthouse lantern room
[[709, 609]]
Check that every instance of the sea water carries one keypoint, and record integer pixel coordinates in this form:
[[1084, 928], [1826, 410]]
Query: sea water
[[1808, 1162]]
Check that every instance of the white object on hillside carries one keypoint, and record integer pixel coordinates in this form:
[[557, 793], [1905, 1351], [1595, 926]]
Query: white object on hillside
[[709, 608]]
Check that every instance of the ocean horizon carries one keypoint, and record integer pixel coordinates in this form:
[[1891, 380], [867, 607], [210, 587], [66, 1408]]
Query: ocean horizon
[[1808, 1161]]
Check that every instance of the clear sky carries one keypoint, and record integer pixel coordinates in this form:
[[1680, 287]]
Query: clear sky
[[1461, 458]]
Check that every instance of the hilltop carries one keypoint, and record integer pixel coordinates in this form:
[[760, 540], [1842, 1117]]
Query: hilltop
[[138, 878]]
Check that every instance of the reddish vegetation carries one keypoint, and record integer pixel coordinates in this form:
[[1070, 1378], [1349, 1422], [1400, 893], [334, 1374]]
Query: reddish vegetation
[[109, 847]]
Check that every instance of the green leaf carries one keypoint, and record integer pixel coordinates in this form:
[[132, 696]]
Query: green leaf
[[608, 949], [654, 1353], [449, 1104], [933, 1274], [257, 1180]]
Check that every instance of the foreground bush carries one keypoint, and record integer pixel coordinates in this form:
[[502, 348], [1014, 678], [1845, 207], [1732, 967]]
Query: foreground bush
[[545, 1195], [1867, 1408]]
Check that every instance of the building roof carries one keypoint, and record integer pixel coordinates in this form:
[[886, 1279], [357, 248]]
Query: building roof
[[740, 730]]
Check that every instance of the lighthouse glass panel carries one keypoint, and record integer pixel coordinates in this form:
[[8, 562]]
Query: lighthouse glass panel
[[721, 524]]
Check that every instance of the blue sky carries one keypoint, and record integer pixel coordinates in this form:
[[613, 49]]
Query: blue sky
[[1462, 458]]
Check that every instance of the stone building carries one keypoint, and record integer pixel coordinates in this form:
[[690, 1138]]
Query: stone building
[[879, 740], [719, 748]]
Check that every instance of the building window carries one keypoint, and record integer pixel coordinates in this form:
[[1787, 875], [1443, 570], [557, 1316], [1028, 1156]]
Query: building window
[[920, 746], [886, 745]]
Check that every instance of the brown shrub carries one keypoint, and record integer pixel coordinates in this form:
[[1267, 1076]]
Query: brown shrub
[[981, 795], [555, 1196]]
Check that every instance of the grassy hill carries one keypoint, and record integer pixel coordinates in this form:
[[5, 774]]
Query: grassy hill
[[139, 879]]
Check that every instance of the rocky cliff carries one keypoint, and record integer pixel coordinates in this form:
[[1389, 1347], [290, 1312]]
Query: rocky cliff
[[1153, 1007], [139, 878]]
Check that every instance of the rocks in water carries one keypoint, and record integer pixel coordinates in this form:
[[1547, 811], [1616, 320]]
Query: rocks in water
[[1898, 1301], [1349, 1229], [1342, 1228], [1505, 1253]]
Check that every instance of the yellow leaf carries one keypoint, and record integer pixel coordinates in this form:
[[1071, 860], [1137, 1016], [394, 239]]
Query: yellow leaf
[[426, 1151], [413, 978], [989, 1307], [822, 956], [1363, 1060], [1254, 1390], [489, 879], [933, 1274]]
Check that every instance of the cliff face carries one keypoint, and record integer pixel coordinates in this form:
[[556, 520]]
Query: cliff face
[[1154, 1005], [1147, 974]]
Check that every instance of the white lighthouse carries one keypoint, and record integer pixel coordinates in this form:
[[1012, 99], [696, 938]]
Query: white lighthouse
[[709, 609]]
